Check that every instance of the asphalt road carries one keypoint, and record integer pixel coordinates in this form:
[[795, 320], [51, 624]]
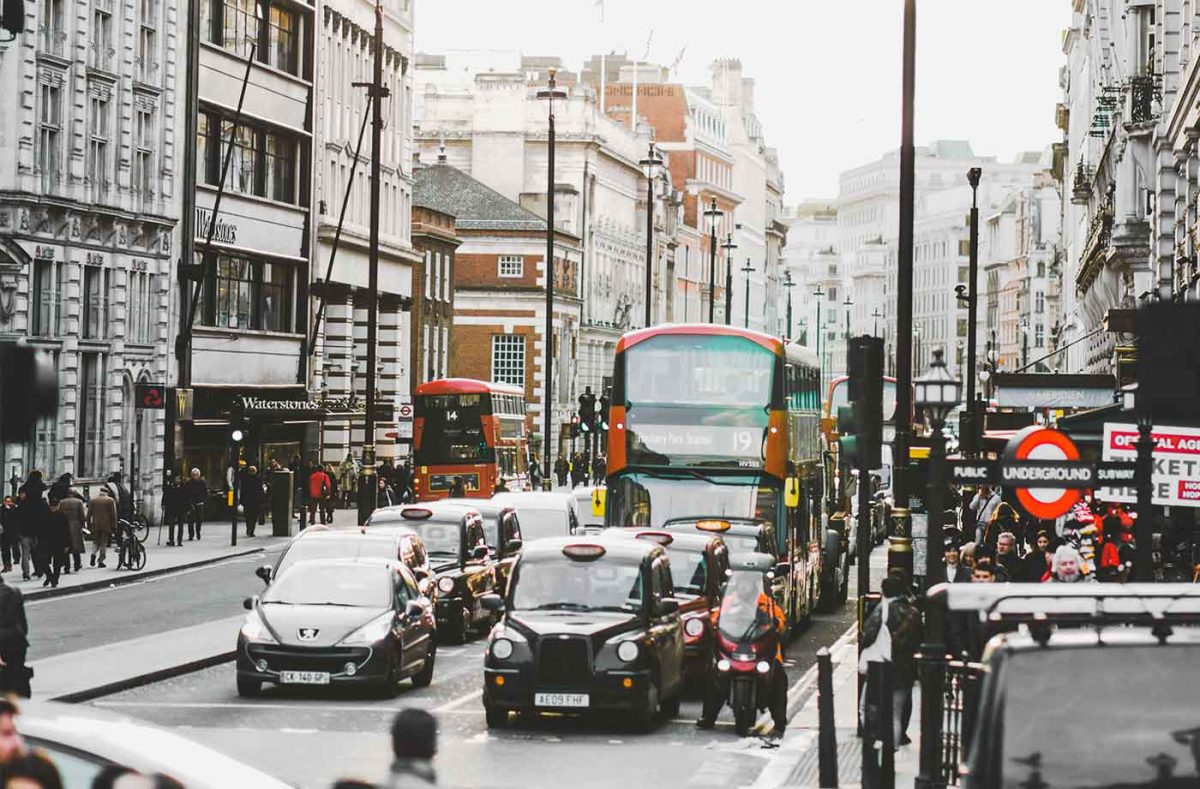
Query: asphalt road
[[104, 616], [308, 738]]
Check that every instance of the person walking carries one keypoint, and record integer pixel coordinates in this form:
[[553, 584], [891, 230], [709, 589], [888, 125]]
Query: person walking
[[195, 494], [53, 544], [32, 514], [331, 499], [404, 482], [414, 745], [560, 470], [76, 514], [1067, 566], [121, 495], [14, 643], [174, 510], [956, 571], [599, 469], [535, 473], [348, 480], [892, 634], [251, 495], [8, 532], [318, 489], [102, 523], [1036, 565]]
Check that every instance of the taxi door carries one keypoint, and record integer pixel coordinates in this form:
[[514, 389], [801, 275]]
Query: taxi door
[[413, 633], [666, 631], [479, 575]]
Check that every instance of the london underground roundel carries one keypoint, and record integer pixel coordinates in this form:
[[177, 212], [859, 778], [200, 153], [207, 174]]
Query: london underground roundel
[[1042, 443]]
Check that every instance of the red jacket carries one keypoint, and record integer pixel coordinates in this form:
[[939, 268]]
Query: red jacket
[[318, 484]]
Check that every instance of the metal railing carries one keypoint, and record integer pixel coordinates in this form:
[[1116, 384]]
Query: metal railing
[[950, 688]]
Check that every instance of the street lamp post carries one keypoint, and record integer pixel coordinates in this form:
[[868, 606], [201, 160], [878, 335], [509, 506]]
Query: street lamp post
[[650, 166], [788, 284], [728, 246], [1024, 343], [713, 214], [876, 314], [970, 437], [847, 303], [747, 269], [820, 294], [936, 393], [550, 93]]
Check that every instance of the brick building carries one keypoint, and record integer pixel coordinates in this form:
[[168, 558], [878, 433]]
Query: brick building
[[435, 237], [499, 294]]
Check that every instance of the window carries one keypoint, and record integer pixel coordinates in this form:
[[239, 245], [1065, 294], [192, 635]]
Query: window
[[234, 285], [248, 295], [1039, 336], [98, 168], [282, 50], [240, 26], [508, 359], [91, 415], [276, 302], [446, 278], [428, 272], [1039, 303], [512, 266], [281, 168], [1041, 268], [100, 48], [142, 309], [50, 133], [53, 37], [95, 302], [263, 162], [44, 299], [147, 54], [143, 162], [242, 169], [832, 294]]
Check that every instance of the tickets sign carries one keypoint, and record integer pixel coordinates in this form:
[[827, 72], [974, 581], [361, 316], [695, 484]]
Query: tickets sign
[[1176, 478]]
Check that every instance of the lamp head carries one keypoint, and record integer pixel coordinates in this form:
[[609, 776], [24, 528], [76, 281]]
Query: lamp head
[[973, 177]]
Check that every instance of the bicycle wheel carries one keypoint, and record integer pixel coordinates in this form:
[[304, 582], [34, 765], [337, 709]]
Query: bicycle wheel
[[137, 556], [140, 527]]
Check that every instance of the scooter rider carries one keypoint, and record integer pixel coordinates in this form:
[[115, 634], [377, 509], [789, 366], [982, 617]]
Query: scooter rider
[[717, 689]]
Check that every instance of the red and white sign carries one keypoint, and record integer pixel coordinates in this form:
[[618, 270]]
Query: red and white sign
[[1042, 443], [404, 411], [1176, 478]]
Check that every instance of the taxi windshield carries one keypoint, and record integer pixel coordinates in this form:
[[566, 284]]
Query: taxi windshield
[[441, 538], [741, 618], [564, 584], [689, 571]]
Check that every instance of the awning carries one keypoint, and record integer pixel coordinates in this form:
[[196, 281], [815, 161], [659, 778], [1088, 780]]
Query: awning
[[1035, 391]]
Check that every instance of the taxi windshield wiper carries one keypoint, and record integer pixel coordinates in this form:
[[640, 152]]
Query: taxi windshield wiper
[[562, 607], [330, 602]]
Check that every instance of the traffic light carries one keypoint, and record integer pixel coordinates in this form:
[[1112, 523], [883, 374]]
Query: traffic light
[[587, 410], [574, 425], [862, 440], [602, 415]]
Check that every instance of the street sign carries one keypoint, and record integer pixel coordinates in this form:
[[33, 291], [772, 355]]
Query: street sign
[[1019, 474], [1044, 447], [404, 412], [598, 496], [1175, 481], [150, 397], [972, 472]]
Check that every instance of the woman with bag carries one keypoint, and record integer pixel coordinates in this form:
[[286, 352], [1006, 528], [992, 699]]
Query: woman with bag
[[891, 634]]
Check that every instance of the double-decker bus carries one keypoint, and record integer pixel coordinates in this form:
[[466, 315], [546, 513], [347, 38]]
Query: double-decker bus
[[717, 424], [469, 430]]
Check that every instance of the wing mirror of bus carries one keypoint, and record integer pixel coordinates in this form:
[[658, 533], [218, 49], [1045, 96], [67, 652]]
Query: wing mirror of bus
[[264, 572], [791, 493]]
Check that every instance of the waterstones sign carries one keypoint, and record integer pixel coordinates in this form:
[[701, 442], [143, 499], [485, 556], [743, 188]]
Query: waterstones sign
[[225, 232]]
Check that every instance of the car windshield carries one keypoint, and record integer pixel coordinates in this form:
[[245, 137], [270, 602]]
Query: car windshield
[[539, 523], [1101, 720], [741, 619], [563, 584], [348, 546], [318, 583], [441, 537], [689, 571], [648, 500]]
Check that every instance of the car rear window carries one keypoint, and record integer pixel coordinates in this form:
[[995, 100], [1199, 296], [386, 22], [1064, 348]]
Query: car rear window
[[1103, 717]]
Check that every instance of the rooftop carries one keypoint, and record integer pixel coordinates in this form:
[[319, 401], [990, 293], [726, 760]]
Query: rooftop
[[473, 205]]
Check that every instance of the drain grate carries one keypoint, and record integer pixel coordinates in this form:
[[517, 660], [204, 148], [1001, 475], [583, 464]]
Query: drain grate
[[807, 772]]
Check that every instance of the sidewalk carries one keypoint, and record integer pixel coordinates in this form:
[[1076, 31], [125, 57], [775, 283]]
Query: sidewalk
[[160, 559]]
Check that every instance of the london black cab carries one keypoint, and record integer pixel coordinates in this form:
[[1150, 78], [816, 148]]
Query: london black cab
[[502, 528], [588, 626], [698, 569], [338, 622], [454, 540]]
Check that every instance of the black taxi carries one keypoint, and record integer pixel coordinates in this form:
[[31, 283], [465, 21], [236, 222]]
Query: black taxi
[[698, 566], [588, 625], [743, 536], [465, 572], [502, 529]]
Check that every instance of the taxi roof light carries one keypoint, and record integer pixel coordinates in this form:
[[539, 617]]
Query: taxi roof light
[[416, 513], [712, 525], [660, 537], [583, 552]]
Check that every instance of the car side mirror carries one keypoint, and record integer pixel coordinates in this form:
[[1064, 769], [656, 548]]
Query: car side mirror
[[265, 572], [479, 552], [420, 573], [513, 545], [666, 606], [249, 602], [414, 610], [782, 569], [492, 602]]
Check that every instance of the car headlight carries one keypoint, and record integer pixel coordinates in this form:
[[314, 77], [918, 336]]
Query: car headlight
[[694, 627], [762, 667], [372, 631], [502, 649], [628, 651], [446, 585], [255, 629], [722, 665]]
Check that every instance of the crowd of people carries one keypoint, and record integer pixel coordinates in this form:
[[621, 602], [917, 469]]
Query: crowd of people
[[579, 470]]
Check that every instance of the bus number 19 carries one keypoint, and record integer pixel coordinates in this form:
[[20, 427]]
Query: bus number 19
[[743, 441]]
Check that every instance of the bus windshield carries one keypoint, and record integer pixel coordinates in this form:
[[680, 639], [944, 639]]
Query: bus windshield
[[648, 500], [453, 429]]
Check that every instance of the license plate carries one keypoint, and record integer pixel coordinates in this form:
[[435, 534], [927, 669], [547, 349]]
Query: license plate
[[304, 677], [561, 699]]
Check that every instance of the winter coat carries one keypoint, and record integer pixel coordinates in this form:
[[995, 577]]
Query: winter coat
[[32, 515], [904, 625], [318, 485], [102, 518], [76, 515], [195, 492], [251, 492]]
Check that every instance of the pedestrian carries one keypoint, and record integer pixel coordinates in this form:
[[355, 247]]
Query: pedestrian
[[318, 489], [32, 516], [12, 745], [1035, 567], [121, 495], [102, 523], [599, 469], [8, 533], [892, 634], [76, 515], [14, 643], [348, 479], [458, 490], [251, 495], [983, 572], [60, 489], [331, 499], [956, 571], [403, 482], [560, 470], [535, 473], [32, 770], [1067, 566], [1006, 555], [54, 544], [384, 496], [195, 494], [986, 500], [414, 744], [174, 510]]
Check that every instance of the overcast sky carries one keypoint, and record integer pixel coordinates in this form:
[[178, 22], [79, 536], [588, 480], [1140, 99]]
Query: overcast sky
[[827, 72]]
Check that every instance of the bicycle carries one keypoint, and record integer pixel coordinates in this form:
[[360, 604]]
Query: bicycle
[[131, 554]]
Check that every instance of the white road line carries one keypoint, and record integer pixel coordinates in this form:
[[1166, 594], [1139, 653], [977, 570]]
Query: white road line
[[460, 701]]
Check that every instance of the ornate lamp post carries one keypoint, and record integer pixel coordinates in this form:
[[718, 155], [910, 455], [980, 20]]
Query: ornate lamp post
[[728, 246], [549, 93], [747, 269], [820, 294], [788, 284], [876, 314], [650, 166], [713, 215]]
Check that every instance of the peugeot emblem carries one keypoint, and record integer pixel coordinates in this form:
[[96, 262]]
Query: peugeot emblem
[[308, 633]]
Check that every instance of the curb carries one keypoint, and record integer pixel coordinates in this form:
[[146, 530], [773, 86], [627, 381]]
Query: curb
[[90, 694], [129, 578]]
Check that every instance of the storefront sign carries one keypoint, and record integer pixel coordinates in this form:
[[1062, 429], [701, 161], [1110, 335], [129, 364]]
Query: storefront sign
[[267, 228], [225, 232], [1176, 478]]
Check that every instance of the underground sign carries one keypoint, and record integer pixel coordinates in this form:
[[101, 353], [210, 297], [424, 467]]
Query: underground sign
[[1041, 455]]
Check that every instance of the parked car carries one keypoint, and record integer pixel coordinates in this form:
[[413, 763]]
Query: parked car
[[83, 740], [393, 542], [338, 622], [543, 514]]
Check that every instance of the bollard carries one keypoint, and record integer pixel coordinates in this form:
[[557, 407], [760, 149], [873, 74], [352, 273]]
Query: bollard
[[887, 728], [826, 733], [869, 723]]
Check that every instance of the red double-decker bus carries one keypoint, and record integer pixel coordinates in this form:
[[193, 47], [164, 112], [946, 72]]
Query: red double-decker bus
[[721, 426], [469, 430]]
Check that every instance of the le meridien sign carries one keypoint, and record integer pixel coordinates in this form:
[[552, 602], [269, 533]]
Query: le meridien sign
[[1175, 481]]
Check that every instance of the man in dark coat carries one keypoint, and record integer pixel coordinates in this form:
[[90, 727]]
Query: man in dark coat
[[53, 544], [9, 540], [251, 496], [32, 515], [174, 510], [14, 642], [195, 493], [403, 482]]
